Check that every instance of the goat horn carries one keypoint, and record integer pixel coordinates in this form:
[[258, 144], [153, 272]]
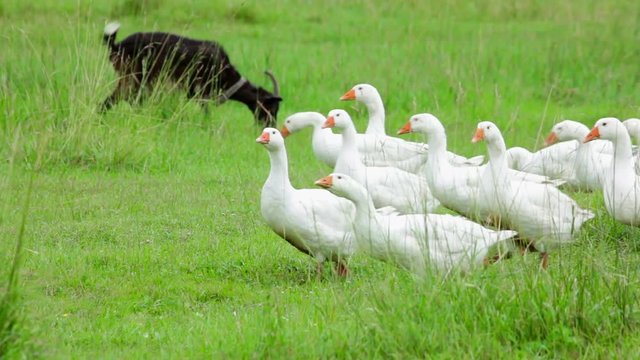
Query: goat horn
[[276, 87]]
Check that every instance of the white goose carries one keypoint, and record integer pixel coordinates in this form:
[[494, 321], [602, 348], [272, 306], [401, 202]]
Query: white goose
[[591, 159], [621, 185], [456, 188], [389, 186], [540, 213], [555, 161], [309, 219], [415, 242]]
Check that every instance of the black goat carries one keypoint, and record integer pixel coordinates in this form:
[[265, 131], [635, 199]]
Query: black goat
[[203, 67]]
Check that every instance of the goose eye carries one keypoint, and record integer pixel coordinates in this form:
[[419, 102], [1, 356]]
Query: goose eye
[[339, 177], [359, 87], [273, 132], [604, 124], [288, 121], [488, 127], [337, 114]]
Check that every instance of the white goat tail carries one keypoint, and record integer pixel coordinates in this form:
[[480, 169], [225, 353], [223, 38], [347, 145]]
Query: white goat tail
[[111, 28]]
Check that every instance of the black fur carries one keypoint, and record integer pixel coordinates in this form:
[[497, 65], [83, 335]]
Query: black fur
[[203, 67]]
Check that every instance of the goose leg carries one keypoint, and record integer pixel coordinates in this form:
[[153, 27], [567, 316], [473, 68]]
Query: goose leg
[[342, 269], [486, 261], [319, 269], [544, 260], [490, 260]]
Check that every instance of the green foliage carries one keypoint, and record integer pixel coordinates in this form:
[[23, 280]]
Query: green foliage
[[135, 7], [11, 333], [9, 320], [145, 236], [243, 13]]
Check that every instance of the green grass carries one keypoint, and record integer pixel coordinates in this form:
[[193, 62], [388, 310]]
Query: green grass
[[144, 235]]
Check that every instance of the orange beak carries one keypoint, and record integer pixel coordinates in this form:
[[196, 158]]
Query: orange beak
[[349, 95], [479, 135], [405, 129], [551, 139], [285, 131], [329, 123], [592, 135], [263, 139], [326, 182]]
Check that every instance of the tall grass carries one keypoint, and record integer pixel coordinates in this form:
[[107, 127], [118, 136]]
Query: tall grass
[[11, 322]]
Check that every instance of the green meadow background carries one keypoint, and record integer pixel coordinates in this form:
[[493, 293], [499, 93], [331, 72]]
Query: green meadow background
[[140, 234]]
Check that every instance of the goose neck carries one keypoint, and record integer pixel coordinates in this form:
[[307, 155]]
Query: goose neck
[[366, 218], [437, 143], [623, 154], [497, 156], [318, 132], [349, 136], [279, 173], [376, 117], [496, 149], [316, 121]]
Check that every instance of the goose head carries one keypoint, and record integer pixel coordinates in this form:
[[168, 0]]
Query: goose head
[[363, 93], [299, 121], [566, 130], [271, 139], [337, 118], [633, 127], [341, 185], [608, 128], [487, 131], [425, 123]]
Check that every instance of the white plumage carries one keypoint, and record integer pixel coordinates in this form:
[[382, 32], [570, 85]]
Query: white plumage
[[621, 185], [374, 150], [388, 186], [415, 242], [555, 161], [312, 220], [591, 159], [455, 187], [540, 213]]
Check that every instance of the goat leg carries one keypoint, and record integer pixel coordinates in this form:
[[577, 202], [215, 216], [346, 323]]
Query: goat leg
[[127, 85], [202, 96]]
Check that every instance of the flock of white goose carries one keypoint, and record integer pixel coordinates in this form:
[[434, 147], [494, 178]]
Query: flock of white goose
[[384, 190]]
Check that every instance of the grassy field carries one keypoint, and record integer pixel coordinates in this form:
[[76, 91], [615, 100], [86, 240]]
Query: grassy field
[[142, 231]]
